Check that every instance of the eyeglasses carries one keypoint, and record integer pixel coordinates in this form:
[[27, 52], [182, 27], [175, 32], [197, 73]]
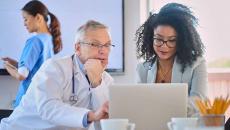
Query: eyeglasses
[[159, 42], [98, 46]]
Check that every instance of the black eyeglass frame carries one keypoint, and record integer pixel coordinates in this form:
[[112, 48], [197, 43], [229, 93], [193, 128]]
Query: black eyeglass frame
[[162, 42]]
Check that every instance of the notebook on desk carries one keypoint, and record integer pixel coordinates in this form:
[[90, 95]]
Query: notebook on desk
[[149, 106]]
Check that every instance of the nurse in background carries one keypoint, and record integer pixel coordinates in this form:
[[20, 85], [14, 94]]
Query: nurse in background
[[172, 49], [38, 48]]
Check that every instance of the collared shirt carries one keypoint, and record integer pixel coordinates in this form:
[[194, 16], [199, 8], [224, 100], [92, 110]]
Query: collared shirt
[[81, 66]]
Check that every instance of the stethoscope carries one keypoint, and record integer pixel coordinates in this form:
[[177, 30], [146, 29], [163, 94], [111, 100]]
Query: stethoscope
[[73, 97]]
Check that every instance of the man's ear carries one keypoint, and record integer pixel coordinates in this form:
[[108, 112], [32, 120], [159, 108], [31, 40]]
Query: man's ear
[[77, 48]]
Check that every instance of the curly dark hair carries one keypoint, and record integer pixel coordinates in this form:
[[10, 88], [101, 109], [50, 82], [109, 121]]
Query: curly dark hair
[[189, 44]]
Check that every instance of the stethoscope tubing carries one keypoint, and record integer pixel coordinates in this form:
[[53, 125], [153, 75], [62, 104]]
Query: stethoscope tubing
[[73, 97]]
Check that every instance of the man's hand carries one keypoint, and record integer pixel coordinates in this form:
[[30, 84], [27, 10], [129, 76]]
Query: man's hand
[[94, 70], [101, 113]]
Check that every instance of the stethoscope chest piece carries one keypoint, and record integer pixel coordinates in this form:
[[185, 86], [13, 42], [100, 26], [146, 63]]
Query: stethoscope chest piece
[[73, 98]]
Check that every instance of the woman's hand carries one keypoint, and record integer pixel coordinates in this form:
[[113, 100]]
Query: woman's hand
[[13, 71], [10, 61]]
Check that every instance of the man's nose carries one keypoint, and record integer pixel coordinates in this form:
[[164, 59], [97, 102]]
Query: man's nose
[[103, 52]]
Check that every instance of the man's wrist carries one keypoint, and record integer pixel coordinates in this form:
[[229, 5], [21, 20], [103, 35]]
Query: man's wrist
[[90, 117], [95, 83]]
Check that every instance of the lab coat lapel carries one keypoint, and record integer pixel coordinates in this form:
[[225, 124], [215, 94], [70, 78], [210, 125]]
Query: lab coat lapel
[[80, 76], [176, 72], [81, 86]]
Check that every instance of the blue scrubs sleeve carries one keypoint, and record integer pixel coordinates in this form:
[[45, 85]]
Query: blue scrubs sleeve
[[31, 53]]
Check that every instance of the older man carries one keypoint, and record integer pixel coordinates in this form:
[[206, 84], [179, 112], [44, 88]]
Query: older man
[[69, 92]]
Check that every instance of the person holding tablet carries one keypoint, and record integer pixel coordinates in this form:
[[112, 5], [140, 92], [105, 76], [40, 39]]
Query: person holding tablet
[[43, 45]]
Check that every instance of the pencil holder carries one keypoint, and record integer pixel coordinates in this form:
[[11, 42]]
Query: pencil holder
[[211, 120]]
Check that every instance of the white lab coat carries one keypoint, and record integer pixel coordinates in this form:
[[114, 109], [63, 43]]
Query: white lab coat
[[46, 104]]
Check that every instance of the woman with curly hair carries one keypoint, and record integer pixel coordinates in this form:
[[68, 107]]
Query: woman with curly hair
[[172, 49]]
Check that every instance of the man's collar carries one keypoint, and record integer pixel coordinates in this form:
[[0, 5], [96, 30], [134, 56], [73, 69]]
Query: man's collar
[[78, 62]]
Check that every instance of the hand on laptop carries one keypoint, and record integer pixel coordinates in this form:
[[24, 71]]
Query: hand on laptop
[[101, 113]]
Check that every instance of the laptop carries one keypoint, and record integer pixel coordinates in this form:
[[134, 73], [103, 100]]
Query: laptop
[[149, 106]]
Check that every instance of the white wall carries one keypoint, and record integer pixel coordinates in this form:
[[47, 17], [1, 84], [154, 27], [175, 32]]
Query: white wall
[[133, 11]]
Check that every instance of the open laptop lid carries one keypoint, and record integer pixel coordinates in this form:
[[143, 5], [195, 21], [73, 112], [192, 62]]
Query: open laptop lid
[[149, 106]]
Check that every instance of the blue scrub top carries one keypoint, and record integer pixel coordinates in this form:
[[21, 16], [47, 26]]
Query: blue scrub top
[[38, 48]]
